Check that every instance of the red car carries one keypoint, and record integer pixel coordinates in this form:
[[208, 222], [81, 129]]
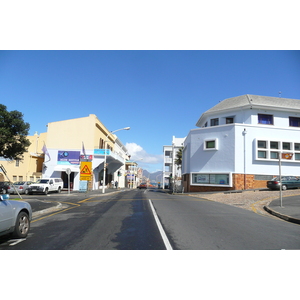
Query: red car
[[142, 186]]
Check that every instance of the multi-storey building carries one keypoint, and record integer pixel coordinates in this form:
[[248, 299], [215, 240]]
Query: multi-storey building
[[239, 142], [65, 144], [68, 139], [170, 169]]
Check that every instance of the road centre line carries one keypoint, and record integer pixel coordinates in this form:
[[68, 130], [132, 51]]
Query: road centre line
[[160, 228]]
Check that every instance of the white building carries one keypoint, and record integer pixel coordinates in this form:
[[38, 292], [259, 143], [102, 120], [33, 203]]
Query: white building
[[238, 143], [169, 167]]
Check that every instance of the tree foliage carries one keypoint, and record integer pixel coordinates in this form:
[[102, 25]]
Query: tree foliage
[[13, 134], [178, 158]]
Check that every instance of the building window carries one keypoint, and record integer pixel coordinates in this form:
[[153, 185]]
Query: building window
[[214, 122], [286, 146], [274, 155], [294, 122], [17, 163], [297, 156], [274, 145], [262, 144], [229, 120], [265, 119], [297, 146], [215, 179], [211, 144], [262, 154]]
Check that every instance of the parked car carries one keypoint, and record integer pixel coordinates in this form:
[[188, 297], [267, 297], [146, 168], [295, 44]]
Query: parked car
[[15, 217], [20, 186], [4, 186], [287, 182], [46, 185], [142, 186]]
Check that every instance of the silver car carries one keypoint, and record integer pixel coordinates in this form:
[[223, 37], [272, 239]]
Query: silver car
[[20, 186], [15, 217]]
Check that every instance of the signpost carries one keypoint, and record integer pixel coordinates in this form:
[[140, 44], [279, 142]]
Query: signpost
[[282, 156], [85, 174], [68, 171]]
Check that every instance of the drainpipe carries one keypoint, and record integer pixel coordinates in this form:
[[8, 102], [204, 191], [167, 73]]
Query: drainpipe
[[244, 134]]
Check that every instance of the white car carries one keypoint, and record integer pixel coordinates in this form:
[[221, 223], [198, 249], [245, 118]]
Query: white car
[[15, 217], [46, 185]]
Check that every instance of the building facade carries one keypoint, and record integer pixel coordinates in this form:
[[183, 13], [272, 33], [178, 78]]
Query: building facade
[[70, 141], [238, 144], [30, 168], [64, 146], [172, 172]]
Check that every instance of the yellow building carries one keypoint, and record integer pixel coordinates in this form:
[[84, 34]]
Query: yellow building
[[65, 143], [67, 140], [30, 168]]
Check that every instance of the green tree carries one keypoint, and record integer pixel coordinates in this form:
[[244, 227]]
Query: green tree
[[13, 134], [178, 158]]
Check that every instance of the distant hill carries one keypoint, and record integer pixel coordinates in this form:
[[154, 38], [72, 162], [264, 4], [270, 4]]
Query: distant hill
[[156, 176]]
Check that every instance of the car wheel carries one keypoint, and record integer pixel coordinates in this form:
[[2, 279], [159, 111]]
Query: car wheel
[[59, 190], [26, 192], [46, 191], [284, 187], [4, 191], [22, 225]]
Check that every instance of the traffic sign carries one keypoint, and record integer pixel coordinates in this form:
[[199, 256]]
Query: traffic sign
[[85, 170]]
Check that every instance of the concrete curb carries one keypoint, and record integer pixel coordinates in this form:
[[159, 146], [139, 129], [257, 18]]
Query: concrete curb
[[281, 216], [47, 211]]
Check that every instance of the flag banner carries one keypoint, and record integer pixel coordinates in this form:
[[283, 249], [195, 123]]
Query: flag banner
[[45, 150], [83, 149]]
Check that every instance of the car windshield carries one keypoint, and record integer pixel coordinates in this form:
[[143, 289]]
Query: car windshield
[[19, 183], [43, 181]]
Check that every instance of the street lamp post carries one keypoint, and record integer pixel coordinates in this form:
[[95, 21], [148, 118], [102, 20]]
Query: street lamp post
[[104, 168]]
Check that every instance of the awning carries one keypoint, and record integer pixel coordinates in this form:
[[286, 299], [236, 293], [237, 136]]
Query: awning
[[63, 168]]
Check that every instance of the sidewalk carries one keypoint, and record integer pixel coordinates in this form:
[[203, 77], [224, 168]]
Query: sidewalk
[[290, 210]]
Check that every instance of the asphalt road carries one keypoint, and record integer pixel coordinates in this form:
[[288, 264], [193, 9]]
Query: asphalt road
[[126, 221]]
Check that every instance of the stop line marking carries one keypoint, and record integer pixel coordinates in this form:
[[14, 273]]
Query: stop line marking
[[160, 228]]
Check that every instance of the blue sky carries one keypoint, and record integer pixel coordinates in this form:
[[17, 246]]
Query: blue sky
[[157, 93]]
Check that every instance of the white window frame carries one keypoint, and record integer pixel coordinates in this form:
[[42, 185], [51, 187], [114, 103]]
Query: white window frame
[[211, 140], [280, 150], [212, 173]]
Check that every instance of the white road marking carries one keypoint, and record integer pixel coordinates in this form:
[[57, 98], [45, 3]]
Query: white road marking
[[160, 228], [17, 242]]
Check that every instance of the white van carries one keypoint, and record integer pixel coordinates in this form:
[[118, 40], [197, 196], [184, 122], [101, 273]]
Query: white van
[[46, 185]]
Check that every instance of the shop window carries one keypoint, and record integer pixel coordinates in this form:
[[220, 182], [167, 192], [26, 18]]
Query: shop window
[[215, 179]]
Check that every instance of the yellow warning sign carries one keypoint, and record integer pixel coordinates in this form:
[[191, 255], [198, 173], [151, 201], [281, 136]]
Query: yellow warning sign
[[85, 170]]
